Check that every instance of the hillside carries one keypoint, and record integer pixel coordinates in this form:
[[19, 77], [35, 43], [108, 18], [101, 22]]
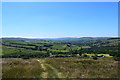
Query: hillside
[[21, 47], [56, 59]]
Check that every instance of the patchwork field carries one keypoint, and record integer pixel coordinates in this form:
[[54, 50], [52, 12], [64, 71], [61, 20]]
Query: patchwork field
[[58, 68]]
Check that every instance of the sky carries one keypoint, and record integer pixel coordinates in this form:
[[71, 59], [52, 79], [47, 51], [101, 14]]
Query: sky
[[60, 0], [59, 19]]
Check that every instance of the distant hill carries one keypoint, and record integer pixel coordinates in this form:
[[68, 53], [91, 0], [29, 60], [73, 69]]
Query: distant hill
[[66, 39], [76, 40], [25, 39], [71, 38]]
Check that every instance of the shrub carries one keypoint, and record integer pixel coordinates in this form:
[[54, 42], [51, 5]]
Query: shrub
[[25, 57], [95, 58], [117, 58]]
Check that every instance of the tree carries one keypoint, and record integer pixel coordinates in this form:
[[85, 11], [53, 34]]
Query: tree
[[95, 58], [38, 48], [70, 50]]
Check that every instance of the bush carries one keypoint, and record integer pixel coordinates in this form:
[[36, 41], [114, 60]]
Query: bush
[[95, 58], [25, 57], [117, 58], [85, 55]]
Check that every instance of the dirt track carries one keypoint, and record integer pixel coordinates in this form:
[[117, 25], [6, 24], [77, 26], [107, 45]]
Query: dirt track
[[46, 73]]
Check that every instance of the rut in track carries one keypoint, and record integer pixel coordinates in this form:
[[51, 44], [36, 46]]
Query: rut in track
[[54, 70], [44, 74]]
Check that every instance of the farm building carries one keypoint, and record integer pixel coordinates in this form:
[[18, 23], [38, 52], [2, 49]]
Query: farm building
[[99, 55]]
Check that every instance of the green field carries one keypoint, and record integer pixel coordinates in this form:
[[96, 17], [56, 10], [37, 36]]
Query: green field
[[18, 47]]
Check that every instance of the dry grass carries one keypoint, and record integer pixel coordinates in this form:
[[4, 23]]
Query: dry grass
[[78, 68], [69, 67], [19, 68]]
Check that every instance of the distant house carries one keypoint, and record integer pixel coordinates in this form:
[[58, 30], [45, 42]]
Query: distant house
[[92, 55], [99, 55], [50, 54], [105, 55]]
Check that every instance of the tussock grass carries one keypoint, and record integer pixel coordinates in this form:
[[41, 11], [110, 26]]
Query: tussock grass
[[69, 67], [78, 68], [19, 68]]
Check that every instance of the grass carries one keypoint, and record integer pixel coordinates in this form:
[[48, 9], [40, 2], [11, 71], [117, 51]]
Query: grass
[[6, 50], [0, 50], [19, 68], [58, 50], [77, 68], [68, 67], [86, 47]]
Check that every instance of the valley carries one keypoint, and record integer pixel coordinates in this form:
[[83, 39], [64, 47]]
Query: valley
[[74, 58]]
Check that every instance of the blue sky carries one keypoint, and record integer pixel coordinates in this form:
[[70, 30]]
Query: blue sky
[[59, 19]]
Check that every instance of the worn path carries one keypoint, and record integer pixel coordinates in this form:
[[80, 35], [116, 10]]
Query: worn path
[[45, 74]]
